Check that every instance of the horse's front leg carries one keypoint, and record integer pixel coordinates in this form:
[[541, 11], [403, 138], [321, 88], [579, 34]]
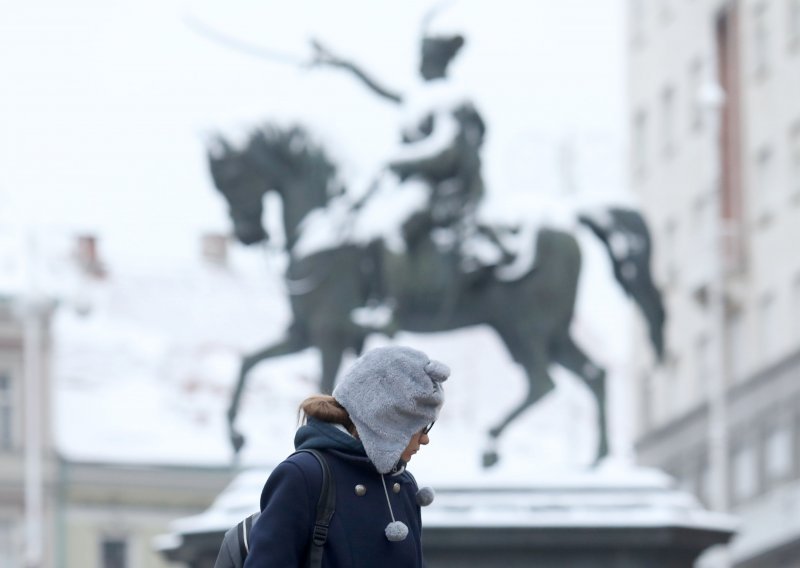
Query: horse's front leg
[[291, 343], [534, 358]]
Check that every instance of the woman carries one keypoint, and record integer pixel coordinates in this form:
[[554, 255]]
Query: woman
[[379, 416]]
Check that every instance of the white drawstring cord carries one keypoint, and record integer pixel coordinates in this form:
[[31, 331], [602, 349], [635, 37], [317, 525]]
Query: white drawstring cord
[[386, 492], [396, 530]]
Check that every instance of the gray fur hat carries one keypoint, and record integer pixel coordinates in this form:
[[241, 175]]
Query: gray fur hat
[[391, 393]]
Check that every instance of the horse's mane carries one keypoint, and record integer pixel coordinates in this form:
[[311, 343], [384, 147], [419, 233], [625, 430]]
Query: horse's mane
[[293, 150]]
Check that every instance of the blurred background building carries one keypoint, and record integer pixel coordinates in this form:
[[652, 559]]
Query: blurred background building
[[109, 410], [714, 118], [26, 441]]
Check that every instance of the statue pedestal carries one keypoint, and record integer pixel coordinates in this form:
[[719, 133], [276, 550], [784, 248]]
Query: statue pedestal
[[625, 518]]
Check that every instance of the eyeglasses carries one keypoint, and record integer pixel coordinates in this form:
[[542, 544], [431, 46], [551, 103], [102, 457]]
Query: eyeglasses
[[428, 427]]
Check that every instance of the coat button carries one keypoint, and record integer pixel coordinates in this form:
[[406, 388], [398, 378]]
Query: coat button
[[396, 488], [361, 490]]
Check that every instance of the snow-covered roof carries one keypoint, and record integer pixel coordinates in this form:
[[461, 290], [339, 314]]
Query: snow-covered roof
[[146, 375]]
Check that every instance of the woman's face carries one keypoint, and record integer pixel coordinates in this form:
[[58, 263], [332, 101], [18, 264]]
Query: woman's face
[[418, 440]]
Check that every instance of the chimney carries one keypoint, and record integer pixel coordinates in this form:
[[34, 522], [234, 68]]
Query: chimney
[[214, 248], [87, 256]]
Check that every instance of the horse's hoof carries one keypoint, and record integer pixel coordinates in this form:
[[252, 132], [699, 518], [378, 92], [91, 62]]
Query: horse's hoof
[[490, 459], [237, 441]]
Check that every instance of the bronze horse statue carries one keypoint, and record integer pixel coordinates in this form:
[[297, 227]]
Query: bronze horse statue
[[531, 314]]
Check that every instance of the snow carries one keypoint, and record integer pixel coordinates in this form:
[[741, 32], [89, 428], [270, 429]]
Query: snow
[[380, 216], [612, 496], [440, 99], [157, 355]]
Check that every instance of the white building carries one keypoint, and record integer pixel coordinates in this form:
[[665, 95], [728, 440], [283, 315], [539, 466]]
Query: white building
[[715, 158], [26, 501], [134, 370]]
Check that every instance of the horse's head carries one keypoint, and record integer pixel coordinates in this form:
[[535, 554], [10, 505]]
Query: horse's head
[[235, 178], [282, 160]]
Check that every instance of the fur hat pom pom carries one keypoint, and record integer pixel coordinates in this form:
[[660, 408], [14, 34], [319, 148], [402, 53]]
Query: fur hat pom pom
[[396, 531], [437, 371], [425, 496]]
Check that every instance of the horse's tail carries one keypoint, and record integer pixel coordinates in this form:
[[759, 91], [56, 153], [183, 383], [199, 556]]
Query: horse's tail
[[627, 239]]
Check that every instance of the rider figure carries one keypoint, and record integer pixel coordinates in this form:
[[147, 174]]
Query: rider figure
[[442, 136]]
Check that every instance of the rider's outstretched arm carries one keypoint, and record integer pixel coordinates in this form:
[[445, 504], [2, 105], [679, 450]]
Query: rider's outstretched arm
[[324, 57]]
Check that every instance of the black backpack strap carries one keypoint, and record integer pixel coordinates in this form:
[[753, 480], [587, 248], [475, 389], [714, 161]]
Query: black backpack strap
[[243, 534], [326, 505]]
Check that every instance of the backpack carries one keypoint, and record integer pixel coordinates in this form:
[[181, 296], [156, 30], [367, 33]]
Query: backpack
[[236, 543]]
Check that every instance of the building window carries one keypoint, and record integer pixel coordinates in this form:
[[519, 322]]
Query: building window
[[768, 335], [666, 11], [795, 314], [664, 385], [6, 412], [687, 482], [745, 473], [670, 247], [668, 122], [778, 458], [671, 388], [760, 40], [766, 186], [114, 553], [647, 392], [640, 144], [703, 209], [637, 12], [736, 349], [696, 110], [705, 484], [704, 366], [794, 160], [9, 546], [794, 23]]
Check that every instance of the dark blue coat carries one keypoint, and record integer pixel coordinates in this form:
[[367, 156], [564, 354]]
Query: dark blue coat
[[281, 537]]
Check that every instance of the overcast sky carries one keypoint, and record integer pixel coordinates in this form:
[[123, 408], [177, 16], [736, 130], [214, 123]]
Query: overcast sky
[[106, 107]]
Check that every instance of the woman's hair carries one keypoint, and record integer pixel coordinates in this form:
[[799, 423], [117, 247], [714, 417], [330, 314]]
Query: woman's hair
[[326, 408]]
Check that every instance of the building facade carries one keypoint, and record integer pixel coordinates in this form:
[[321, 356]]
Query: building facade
[[714, 114], [26, 442], [109, 514], [65, 500]]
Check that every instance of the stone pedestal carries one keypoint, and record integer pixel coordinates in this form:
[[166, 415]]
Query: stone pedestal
[[624, 518]]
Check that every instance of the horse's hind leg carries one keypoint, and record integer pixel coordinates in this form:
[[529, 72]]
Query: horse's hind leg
[[535, 361], [331, 361], [572, 357], [292, 343], [332, 343]]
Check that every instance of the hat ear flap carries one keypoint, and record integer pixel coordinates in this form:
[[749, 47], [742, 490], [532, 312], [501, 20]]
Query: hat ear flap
[[438, 372]]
